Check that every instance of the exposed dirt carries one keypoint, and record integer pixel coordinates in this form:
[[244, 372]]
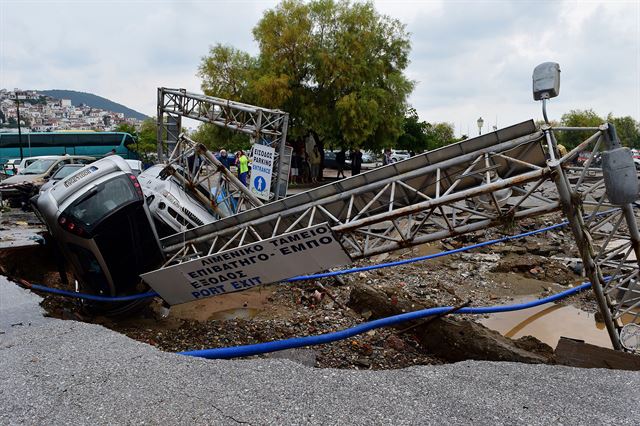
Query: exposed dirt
[[488, 276]]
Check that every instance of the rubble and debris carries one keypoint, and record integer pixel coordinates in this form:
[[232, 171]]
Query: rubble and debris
[[289, 310], [451, 339]]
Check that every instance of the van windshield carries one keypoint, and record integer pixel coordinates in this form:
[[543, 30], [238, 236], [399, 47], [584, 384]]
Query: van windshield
[[102, 200]]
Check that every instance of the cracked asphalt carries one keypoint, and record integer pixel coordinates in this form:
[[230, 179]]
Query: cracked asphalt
[[66, 372]]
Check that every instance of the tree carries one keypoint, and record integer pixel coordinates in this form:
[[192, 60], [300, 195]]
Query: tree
[[577, 118], [439, 135], [335, 67], [145, 137], [421, 136], [627, 130], [227, 73], [414, 137], [127, 128], [216, 138], [626, 127]]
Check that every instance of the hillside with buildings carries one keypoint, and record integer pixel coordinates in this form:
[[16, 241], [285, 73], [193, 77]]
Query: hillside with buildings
[[94, 101], [42, 113]]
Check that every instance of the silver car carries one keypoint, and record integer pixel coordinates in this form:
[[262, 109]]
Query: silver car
[[100, 221]]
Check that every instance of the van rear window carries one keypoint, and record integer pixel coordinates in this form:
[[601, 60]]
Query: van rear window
[[102, 200]]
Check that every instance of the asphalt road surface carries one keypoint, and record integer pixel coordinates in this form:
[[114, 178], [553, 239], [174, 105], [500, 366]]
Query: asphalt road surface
[[66, 372]]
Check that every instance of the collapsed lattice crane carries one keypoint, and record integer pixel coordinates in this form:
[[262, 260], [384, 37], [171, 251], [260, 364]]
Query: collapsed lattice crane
[[468, 186]]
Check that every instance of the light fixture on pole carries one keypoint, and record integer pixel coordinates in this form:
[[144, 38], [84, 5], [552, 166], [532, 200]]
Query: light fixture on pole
[[480, 123]]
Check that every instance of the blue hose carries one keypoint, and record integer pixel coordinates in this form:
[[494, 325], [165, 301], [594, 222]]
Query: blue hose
[[426, 257], [297, 342], [91, 296]]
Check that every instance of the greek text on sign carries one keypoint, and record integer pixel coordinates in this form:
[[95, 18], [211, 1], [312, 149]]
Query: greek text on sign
[[261, 169], [300, 252]]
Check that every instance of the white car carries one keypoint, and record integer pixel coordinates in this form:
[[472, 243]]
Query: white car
[[136, 166], [397, 155], [11, 166], [172, 208]]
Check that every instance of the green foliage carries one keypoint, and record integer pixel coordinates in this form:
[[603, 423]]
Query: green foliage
[[40, 100], [577, 118], [145, 136], [335, 67], [439, 135], [627, 129], [414, 137], [216, 138], [421, 136], [227, 73], [127, 128]]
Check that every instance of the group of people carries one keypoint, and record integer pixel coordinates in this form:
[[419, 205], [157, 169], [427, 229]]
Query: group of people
[[356, 162], [241, 161], [305, 167]]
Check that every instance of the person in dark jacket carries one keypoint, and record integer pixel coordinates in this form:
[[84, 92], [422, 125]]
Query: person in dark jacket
[[341, 158], [225, 159], [356, 162]]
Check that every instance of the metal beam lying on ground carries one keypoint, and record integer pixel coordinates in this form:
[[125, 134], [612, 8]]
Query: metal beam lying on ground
[[495, 179], [399, 204]]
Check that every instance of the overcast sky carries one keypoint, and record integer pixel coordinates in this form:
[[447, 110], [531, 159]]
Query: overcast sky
[[469, 58]]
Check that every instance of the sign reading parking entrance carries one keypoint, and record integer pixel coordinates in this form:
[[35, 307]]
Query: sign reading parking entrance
[[261, 169], [301, 252]]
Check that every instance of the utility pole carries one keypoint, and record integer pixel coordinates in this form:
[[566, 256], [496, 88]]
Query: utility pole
[[19, 128]]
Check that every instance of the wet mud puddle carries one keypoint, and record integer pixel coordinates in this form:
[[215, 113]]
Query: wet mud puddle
[[242, 305], [548, 323]]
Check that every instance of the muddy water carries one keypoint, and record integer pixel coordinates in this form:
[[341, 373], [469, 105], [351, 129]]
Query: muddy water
[[548, 323], [242, 305]]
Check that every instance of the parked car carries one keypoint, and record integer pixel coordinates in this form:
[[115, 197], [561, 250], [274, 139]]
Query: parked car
[[330, 159], [14, 165], [11, 166], [172, 208], [369, 157], [101, 223], [399, 155], [585, 155], [136, 166], [22, 186]]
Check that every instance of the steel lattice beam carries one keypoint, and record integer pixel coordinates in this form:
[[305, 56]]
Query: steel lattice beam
[[265, 126], [492, 180], [421, 189]]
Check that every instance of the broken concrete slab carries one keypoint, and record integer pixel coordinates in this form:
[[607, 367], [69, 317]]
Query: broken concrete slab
[[448, 338]]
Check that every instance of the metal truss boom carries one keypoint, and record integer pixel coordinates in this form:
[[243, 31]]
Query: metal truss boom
[[493, 180]]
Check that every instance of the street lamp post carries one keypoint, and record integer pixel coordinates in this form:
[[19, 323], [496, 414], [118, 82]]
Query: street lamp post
[[19, 127], [480, 123]]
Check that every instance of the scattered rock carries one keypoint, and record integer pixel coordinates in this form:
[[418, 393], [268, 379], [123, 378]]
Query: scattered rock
[[394, 342]]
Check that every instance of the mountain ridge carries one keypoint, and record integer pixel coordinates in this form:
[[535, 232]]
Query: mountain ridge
[[93, 101]]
